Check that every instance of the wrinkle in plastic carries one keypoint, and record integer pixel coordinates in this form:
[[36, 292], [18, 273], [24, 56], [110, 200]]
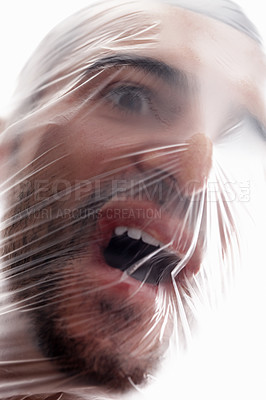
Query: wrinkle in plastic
[[134, 157]]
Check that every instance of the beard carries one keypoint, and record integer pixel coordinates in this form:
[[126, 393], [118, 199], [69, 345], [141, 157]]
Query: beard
[[97, 331], [94, 326]]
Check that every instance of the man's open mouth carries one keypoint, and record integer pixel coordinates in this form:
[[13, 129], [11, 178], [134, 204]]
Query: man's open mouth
[[145, 262], [147, 249]]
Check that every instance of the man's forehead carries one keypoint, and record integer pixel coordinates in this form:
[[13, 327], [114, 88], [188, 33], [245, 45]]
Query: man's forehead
[[177, 36], [191, 34], [215, 53], [199, 45], [181, 38], [225, 11]]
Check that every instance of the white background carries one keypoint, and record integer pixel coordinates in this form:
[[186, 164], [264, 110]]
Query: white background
[[228, 367]]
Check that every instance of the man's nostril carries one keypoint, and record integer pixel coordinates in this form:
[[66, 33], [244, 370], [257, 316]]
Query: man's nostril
[[195, 163]]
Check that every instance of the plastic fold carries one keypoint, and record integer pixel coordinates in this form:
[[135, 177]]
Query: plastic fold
[[132, 189]]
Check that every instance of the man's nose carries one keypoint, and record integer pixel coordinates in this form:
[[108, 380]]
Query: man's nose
[[189, 163]]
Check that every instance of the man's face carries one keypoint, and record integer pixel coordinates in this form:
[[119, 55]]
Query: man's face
[[108, 208]]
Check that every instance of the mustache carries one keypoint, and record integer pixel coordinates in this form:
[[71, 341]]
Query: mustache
[[158, 187], [37, 196], [64, 213], [57, 228]]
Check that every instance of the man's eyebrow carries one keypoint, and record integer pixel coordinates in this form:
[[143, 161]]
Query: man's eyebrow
[[150, 65]]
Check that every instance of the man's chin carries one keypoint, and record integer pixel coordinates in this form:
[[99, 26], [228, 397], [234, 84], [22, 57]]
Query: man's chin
[[103, 329]]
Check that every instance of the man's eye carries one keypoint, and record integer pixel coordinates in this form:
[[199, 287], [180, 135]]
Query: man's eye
[[131, 99]]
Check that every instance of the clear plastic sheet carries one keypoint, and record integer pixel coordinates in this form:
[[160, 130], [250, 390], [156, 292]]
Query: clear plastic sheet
[[132, 187]]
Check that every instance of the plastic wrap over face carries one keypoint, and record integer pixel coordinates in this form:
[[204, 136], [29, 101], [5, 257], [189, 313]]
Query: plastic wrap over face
[[132, 183]]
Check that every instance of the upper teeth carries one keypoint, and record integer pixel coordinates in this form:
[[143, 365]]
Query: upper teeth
[[135, 233]]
